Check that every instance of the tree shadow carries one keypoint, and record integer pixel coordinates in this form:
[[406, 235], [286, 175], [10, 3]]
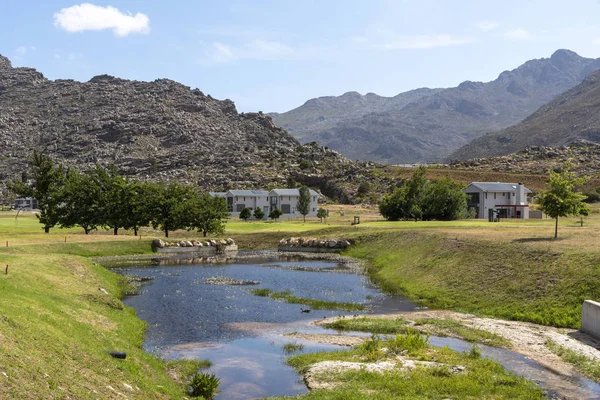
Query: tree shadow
[[536, 240]]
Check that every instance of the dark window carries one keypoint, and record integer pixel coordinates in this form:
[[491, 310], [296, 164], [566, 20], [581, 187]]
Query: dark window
[[285, 208], [240, 207]]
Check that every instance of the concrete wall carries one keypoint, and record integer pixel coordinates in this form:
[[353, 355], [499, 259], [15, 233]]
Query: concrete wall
[[590, 318]]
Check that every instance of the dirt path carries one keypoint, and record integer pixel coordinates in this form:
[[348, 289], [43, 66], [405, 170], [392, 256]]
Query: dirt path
[[527, 339]]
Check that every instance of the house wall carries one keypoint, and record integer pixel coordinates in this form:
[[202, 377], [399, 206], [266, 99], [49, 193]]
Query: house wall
[[490, 200], [292, 201], [251, 202]]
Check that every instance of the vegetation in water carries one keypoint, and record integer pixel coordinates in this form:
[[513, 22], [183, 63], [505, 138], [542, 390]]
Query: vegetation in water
[[292, 347], [204, 385], [315, 304]]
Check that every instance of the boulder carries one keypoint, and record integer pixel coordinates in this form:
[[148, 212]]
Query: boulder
[[283, 242], [213, 242], [331, 243], [158, 244], [188, 244], [223, 242], [195, 243], [200, 244], [322, 243], [230, 241]]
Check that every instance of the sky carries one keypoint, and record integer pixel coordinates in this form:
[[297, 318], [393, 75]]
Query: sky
[[273, 55]]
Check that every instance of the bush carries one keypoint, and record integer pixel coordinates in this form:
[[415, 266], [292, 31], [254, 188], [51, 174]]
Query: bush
[[411, 343], [305, 164], [245, 214], [592, 197], [205, 385], [364, 188], [275, 213], [259, 214]]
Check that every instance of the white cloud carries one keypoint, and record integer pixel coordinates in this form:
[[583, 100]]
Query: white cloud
[[425, 42], [487, 25], [21, 50], [221, 53], [89, 17], [519, 34]]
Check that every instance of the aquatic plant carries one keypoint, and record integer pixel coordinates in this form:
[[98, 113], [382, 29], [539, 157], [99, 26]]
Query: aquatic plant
[[292, 347], [205, 385]]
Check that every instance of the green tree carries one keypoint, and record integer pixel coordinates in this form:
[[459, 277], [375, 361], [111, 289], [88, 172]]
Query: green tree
[[245, 214], [275, 214], [83, 202], [561, 199], [207, 214], [48, 180], [443, 200], [167, 209], [110, 189], [363, 188], [322, 214], [259, 214], [303, 205], [136, 205]]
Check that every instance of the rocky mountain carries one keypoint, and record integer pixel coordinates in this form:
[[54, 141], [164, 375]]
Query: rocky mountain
[[157, 131], [572, 116], [324, 113], [431, 127]]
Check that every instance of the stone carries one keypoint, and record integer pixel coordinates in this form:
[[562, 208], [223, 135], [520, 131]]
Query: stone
[[230, 241], [195, 243], [189, 244], [182, 244], [158, 244], [331, 243], [213, 242]]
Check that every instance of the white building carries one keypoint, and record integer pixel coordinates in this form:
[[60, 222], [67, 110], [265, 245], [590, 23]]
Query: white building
[[237, 200], [491, 199], [286, 200]]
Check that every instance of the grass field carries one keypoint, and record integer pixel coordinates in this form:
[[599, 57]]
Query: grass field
[[55, 323]]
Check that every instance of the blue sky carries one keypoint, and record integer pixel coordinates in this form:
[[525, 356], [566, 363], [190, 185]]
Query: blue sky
[[274, 55]]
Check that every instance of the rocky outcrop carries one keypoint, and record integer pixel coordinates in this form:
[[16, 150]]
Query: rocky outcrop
[[195, 245], [156, 130]]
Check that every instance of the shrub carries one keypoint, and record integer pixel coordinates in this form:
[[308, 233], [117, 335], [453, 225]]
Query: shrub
[[305, 164], [363, 188], [412, 342], [205, 385], [370, 348], [275, 213], [245, 214], [259, 214]]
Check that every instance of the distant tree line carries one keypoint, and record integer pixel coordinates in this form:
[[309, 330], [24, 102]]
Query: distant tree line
[[102, 198], [422, 199]]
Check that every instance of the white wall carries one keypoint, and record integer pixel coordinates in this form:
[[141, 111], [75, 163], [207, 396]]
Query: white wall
[[293, 202]]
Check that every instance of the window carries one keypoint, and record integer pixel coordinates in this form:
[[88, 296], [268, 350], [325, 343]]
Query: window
[[509, 196], [486, 195], [494, 196], [503, 194], [285, 208], [239, 207]]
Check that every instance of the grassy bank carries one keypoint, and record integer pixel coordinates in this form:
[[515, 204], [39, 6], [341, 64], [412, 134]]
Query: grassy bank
[[496, 278], [449, 375], [315, 304]]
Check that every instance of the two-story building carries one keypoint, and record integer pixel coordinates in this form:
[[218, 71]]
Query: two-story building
[[286, 200], [237, 200], [504, 200]]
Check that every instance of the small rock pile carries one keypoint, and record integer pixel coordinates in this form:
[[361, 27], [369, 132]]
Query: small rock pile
[[311, 242], [160, 244]]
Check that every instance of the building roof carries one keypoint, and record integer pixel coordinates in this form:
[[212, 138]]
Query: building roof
[[248, 193], [217, 194], [292, 192], [496, 186]]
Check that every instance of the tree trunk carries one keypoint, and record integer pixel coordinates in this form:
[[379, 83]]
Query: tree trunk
[[204, 233], [115, 230], [166, 233], [46, 229], [135, 230], [304, 218], [556, 229]]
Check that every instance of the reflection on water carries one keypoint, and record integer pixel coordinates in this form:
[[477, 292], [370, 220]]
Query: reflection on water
[[188, 318]]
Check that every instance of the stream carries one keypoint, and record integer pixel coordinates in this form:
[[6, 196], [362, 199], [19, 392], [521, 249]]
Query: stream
[[242, 334]]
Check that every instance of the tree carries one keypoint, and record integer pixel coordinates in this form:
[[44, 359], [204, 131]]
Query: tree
[[322, 213], [363, 188], [303, 205], [259, 214], [48, 179], [443, 200], [207, 214], [136, 206], [245, 214], [561, 199], [167, 210], [275, 214]]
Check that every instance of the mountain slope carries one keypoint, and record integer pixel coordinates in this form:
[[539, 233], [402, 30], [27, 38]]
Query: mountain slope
[[323, 113], [153, 130], [429, 128], [572, 116]]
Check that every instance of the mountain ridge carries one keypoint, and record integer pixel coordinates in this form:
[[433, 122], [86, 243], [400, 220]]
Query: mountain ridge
[[430, 127]]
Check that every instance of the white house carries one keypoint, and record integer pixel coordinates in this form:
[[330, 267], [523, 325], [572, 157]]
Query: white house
[[286, 200], [508, 200], [237, 200]]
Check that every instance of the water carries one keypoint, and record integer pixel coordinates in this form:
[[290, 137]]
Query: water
[[242, 334]]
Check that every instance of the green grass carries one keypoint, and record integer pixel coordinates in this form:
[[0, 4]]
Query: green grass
[[315, 304], [585, 365], [449, 327], [500, 279], [481, 378], [438, 327], [292, 347], [373, 325]]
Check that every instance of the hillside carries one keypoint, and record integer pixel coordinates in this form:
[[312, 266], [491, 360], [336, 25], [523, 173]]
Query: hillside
[[154, 131], [324, 113], [571, 116], [429, 128]]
